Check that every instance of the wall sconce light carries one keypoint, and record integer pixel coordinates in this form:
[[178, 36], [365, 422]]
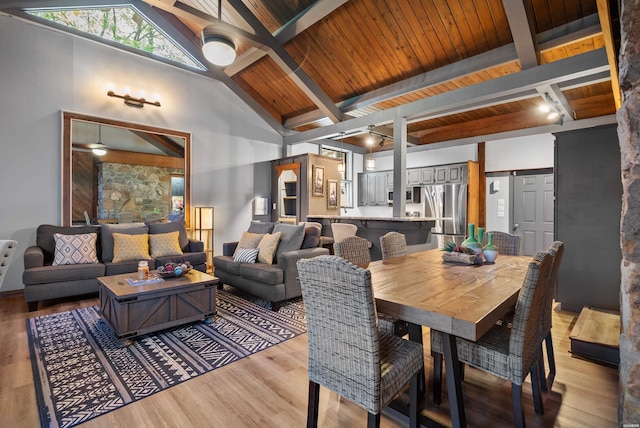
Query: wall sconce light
[[133, 101], [203, 227]]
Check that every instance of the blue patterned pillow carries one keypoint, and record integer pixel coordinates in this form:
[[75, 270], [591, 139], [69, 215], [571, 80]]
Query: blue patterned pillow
[[246, 255]]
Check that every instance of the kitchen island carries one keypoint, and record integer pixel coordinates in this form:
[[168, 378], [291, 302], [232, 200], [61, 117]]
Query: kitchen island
[[417, 230]]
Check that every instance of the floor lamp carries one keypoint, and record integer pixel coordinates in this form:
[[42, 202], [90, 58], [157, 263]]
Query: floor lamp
[[203, 227]]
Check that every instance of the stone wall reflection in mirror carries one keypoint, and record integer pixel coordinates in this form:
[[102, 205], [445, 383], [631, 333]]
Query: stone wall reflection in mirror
[[144, 175]]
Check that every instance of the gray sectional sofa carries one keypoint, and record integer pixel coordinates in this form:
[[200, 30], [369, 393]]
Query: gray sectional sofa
[[43, 281], [277, 281]]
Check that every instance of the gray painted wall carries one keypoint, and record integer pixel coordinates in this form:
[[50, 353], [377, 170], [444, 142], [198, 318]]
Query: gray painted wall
[[587, 218], [44, 72]]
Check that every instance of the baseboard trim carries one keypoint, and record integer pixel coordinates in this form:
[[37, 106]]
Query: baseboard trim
[[11, 293]]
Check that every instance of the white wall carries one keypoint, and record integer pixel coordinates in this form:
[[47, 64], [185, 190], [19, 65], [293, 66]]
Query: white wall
[[44, 72], [531, 152]]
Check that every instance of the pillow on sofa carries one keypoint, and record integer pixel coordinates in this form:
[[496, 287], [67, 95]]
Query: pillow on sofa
[[125, 228], [311, 237], [130, 247], [246, 255], [173, 226], [248, 240], [261, 227], [75, 249], [291, 238], [165, 244], [267, 246]]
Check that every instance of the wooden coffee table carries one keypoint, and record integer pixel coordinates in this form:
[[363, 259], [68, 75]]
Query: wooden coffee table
[[132, 310]]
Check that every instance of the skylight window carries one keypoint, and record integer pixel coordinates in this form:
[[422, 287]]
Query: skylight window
[[120, 24]]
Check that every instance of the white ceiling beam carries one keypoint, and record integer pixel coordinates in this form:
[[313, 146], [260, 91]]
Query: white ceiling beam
[[522, 32], [590, 63], [280, 55]]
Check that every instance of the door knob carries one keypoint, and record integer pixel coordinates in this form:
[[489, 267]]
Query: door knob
[[515, 226]]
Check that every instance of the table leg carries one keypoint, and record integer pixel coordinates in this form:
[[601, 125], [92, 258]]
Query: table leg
[[415, 335], [454, 374]]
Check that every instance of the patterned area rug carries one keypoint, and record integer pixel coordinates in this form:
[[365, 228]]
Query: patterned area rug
[[80, 372]]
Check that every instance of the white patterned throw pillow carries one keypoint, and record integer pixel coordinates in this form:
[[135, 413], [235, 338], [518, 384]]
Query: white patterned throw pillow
[[246, 255], [75, 249]]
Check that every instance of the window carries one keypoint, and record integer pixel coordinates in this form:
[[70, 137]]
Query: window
[[338, 154], [120, 24]]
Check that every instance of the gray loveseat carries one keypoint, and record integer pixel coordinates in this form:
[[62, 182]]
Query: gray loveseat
[[43, 281], [277, 281]]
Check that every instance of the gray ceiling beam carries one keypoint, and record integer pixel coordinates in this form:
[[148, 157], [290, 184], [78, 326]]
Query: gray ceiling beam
[[590, 63], [55, 4], [522, 32], [279, 54], [569, 33], [545, 129], [297, 25]]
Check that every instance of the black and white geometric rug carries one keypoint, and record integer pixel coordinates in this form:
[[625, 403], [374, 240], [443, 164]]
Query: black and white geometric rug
[[81, 372]]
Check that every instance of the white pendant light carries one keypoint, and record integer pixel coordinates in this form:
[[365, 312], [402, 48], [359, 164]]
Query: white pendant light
[[370, 164], [99, 149], [217, 48], [341, 166]]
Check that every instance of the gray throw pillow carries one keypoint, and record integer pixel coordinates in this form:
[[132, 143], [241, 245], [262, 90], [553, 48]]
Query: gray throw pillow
[[261, 227], [311, 237], [291, 237], [183, 239]]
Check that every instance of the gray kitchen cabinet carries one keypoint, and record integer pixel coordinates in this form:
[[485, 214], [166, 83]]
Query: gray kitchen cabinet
[[449, 173], [372, 188], [414, 177], [428, 176], [390, 180]]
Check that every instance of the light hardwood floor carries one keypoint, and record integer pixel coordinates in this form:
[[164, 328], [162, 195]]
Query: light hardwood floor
[[269, 389]]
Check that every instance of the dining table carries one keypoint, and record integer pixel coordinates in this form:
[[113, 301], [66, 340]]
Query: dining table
[[457, 299]]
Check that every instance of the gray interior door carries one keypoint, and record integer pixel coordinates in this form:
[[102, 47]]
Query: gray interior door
[[533, 212]]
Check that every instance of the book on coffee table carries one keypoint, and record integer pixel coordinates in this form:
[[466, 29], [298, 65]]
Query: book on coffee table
[[151, 280]]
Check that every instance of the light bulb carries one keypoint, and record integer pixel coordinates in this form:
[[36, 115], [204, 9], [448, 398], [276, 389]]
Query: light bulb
[[544, 108], [553, 115]]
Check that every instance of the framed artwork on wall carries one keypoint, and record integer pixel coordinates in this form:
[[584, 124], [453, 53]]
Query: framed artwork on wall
[[332, 194], [317, 186]]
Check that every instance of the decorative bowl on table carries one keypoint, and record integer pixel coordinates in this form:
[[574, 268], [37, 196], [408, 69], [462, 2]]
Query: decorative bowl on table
[[173, 270]]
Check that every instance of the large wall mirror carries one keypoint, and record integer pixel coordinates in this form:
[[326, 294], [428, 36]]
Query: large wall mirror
[[119, 172]]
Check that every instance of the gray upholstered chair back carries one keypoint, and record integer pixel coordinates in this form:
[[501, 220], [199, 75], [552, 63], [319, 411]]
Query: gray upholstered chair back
[[557, 251], [507, 244], [7, 250], [353, 249], [344, 351], [524, 341], [393, 244], [342, 230]]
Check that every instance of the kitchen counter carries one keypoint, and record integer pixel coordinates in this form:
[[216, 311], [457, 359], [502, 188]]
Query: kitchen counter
[[417, 230]]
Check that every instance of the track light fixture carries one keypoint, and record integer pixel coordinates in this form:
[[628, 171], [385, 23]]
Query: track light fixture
[[217, 48], [552, 109]]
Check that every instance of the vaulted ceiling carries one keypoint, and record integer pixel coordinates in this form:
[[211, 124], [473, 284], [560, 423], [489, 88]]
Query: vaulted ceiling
[[452, 70]]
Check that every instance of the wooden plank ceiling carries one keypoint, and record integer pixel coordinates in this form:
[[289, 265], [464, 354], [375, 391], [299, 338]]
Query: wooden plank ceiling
[[324, 67]]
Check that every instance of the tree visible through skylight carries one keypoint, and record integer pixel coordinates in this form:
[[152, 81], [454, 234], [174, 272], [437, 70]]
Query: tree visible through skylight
[[122, 25]]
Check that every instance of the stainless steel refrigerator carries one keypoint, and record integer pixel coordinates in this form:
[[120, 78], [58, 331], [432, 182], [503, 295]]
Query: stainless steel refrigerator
[[447, 203]]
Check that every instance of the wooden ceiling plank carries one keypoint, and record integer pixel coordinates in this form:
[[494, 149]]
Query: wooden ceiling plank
[[468, 66], [523, 34], [607, 31], [571, 68], [279, 54]]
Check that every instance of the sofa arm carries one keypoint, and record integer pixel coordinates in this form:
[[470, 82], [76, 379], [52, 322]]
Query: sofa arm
[[228, 248], [287, 261], [33, 257], [195, 246]]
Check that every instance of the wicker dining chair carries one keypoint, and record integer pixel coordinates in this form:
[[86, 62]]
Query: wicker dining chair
[[508, 353], [356, 250], [7, 250], [508, 244], [353, 249], [393, 244], [347, 352], [557, 251]]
